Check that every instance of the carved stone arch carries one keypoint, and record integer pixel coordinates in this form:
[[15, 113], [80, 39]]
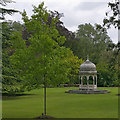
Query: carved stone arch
[[91, 79], [85, 80]]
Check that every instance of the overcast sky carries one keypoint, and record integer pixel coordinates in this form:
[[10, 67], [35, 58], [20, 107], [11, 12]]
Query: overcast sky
[[75, 12]]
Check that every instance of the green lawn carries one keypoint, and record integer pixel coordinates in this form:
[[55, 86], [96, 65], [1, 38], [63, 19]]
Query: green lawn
[[62, 105]]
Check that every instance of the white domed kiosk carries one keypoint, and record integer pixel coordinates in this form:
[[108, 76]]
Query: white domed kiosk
[[88, 69]]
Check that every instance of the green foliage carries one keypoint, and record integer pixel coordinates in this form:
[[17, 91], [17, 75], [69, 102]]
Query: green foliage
[[75, 67], [94, 41], [36, 54], [108, 69], [112, 16], [90, 40], [44, 61], [10, 83]]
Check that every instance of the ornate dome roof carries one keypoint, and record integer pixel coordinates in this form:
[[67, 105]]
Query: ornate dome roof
[[88, 67]]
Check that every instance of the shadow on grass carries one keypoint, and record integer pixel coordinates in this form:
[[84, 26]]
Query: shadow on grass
[[60, 118], [44, 117], [6, 96]]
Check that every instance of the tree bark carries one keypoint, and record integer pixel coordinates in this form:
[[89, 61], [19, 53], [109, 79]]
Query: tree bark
[[44, 96]]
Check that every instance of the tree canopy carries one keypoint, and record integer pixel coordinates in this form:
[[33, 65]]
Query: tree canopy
[[45, 60], [89, 40]]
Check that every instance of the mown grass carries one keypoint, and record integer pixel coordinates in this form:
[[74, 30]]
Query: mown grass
[[62, 105]]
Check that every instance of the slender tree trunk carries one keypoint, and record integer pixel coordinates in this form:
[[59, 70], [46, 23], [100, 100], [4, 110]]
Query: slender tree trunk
[[45, 98]]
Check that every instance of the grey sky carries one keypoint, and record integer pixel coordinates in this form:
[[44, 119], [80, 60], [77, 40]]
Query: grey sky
[[76, 12], [86, 6]]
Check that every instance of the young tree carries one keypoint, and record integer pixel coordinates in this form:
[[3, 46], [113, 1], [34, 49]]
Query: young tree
[[44, 60]]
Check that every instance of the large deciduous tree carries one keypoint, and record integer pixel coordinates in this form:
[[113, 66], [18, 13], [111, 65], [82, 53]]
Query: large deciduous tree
[[90, 40]]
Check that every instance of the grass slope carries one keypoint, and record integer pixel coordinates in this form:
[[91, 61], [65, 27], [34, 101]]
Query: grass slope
[[62, 105]]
